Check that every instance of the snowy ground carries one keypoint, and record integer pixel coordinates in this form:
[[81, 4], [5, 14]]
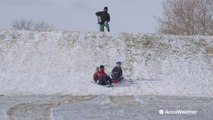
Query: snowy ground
[[61, 62]]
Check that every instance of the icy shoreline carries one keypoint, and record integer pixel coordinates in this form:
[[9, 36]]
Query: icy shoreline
[[105, 107]]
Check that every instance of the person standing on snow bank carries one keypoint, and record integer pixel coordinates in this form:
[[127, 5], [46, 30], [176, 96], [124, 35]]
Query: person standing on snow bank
[[103, 19], [117, 72]]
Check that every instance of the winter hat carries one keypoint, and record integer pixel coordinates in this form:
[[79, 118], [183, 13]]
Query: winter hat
[[106, 8], [97, 68], [118, 63], [101, 66]]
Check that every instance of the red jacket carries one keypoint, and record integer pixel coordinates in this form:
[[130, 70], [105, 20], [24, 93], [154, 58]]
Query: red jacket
[[100, 73]]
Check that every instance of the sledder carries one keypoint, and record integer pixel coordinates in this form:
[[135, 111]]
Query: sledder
[[117, 73], [101, 78]]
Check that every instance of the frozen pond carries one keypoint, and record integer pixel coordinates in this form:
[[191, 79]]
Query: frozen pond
[[104, 108]]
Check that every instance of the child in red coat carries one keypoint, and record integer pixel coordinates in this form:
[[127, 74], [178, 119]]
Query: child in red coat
[[101, 71], [104, 79]]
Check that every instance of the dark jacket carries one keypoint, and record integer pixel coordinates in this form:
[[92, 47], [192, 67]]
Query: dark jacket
[[104, 16], [95, 77], [117, 72]]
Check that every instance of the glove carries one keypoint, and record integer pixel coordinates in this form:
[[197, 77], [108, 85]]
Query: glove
[[99, 19], [115, 72], [105, 22]]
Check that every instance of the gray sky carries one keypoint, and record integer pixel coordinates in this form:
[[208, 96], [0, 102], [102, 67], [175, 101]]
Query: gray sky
[[79, 15]]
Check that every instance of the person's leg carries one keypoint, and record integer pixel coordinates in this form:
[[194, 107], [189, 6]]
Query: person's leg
[[96, 80], [120, 78], [109, 80], [101, 27], [113, 76], [102, 80], [107, 26]]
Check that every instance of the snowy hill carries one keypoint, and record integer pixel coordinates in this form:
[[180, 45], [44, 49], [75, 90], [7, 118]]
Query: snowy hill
[[61, 62], [126, 15]]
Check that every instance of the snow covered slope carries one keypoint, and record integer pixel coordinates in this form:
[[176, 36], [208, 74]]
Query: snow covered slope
[[61, 62]]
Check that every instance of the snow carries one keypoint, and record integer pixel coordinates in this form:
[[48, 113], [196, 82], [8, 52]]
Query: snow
[[63, 62]]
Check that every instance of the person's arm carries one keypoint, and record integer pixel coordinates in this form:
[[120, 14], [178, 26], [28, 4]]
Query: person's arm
[[98, 13], [95, 77], [114, 70], [121, 72], [108, 18]]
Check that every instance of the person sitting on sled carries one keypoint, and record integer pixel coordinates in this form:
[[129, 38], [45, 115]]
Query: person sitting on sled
[[117, 73], [103, 78]]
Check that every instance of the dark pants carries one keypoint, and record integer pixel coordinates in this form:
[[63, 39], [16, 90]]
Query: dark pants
[[105, 80], [116, 77], [104, 25]]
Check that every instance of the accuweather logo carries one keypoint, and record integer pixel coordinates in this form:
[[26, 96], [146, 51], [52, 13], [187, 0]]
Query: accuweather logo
[[161, 111], [177, 112]]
